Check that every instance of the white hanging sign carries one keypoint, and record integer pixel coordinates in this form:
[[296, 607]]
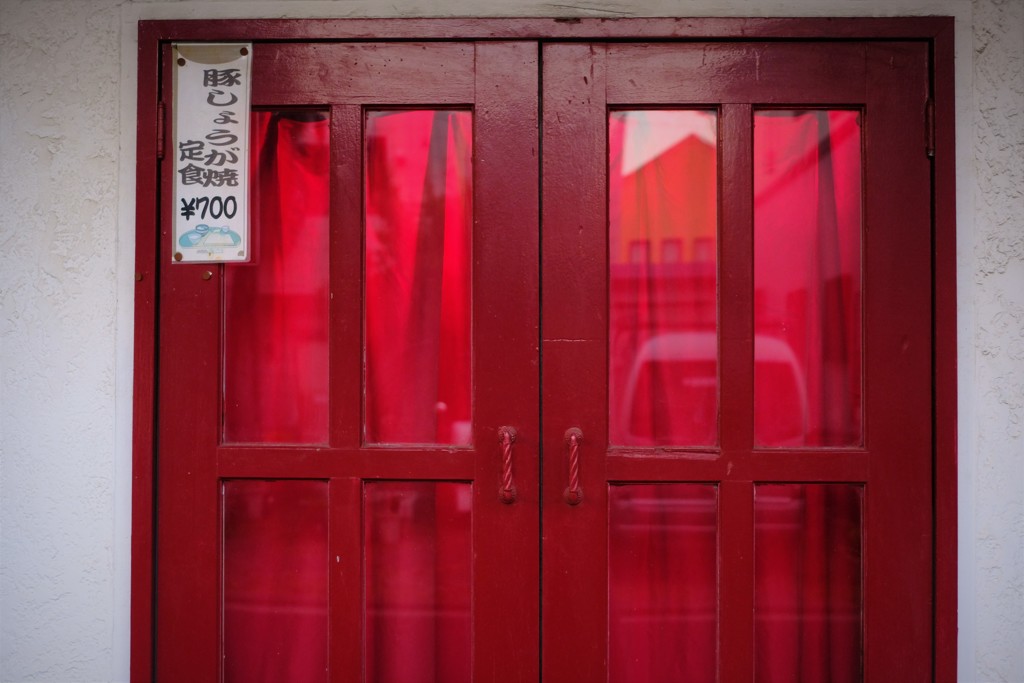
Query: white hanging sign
[[212, 84]]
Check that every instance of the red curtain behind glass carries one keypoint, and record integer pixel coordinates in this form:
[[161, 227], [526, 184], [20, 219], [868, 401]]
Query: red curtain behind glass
[[807, 251], [418, 224], [417, 344], [663, 216], [275, 581], [807, 588], [807, 365], [417, 337], [275, 320], [663, 369], [807, 278], [662, 575], [418, 582], [275, 385]]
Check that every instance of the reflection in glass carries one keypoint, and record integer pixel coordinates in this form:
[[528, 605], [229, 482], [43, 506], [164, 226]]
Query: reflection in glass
[[662, 236], [807, 278], [418, 581], [275, 581], [662, 574], [418, 225], [275, 310], [807, 582]]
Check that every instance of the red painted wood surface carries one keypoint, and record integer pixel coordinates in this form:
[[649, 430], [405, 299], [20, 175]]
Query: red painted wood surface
[[944, 354], [346, 304], [174, 519], [500, 81], [357, 73], [736, 505], [574, 342], [897, 272], [506, 363], [742, 28], [145, 357], [580, 83], [728, 73]]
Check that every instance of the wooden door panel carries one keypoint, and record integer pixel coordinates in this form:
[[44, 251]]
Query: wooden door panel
[[495, 84], [582, 84]]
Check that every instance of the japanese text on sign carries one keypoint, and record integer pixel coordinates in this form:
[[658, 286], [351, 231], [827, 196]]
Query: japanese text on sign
[[211, 152]]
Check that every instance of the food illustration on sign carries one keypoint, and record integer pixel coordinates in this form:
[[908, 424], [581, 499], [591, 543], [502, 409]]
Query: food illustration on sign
[[205, 236]]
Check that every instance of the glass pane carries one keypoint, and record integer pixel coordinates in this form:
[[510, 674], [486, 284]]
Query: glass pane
[[807, 278], [662, 576], [275, 309], [418, 581], [275, 581], [419, 220], [662, 237], [807, 582]]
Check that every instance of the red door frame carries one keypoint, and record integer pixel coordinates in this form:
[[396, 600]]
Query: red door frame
[[936, 32]]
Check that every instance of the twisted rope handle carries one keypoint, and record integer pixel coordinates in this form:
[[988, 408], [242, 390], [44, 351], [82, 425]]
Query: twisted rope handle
[[507, 492], [574, 493]]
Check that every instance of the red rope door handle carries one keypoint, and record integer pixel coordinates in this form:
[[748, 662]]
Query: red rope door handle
[[574, 493], [507, 491]]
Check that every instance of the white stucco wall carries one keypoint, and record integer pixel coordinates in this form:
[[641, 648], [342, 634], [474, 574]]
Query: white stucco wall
[[994, 338], [67, 130], [59, 158]]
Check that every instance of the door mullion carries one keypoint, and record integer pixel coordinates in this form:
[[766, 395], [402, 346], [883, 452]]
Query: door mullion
[[736, 280], [346, 276], [736, 581], [736, 527]]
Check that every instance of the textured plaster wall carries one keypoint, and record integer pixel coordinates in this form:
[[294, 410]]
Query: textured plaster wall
[[59, 100], [996, 266], [67, 89]]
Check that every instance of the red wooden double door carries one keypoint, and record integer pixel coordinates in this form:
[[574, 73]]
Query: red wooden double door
[[572, 361]]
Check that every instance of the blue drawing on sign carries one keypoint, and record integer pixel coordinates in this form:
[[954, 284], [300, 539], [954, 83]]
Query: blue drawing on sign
[[205, 236]]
